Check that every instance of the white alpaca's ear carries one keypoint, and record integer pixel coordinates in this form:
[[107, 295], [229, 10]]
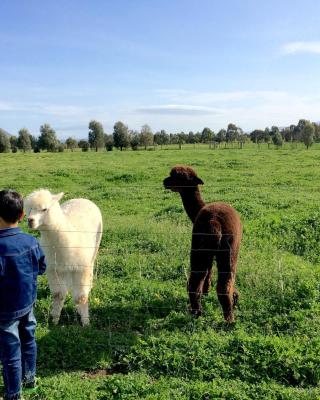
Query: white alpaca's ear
[[57, 197]]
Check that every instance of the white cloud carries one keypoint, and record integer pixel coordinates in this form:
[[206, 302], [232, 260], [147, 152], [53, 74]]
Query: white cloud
[[62, 111], [5, 106], [302, 47], [220, 97], [178, 109], [70, 119], [248, 109]]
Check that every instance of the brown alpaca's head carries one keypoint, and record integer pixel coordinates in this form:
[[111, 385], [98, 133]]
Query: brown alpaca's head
[[182, 177]]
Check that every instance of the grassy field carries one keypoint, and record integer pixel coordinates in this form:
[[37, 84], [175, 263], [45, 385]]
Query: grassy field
[[142, 344]]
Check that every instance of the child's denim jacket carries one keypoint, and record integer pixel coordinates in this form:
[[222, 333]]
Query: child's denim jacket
[[21, 261]]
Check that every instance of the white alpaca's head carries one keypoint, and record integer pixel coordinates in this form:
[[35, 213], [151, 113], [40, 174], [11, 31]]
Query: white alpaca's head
[[39, 208]]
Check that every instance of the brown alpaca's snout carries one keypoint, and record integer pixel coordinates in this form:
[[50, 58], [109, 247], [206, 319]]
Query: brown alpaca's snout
[[168, 183]]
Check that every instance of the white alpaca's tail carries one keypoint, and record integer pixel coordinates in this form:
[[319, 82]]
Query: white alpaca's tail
[[98, 241]]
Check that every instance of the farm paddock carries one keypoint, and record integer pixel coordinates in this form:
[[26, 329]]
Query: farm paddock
[[142, 343]]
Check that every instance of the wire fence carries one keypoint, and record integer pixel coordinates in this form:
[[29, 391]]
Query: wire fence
[[144, 187], [176, 296], [177, 303], [143, 303]]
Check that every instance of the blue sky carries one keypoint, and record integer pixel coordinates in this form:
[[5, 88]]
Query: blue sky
[[177, 65]]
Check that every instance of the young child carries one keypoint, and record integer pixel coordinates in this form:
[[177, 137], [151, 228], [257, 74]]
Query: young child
[[21, 261]]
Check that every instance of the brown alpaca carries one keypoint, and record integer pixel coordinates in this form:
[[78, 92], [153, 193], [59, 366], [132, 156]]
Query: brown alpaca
[[217, 232]]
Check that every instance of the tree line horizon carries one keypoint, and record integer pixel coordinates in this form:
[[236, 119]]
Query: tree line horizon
[[122, 137]]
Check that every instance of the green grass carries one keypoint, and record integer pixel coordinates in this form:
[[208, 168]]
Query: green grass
[[142, 344]]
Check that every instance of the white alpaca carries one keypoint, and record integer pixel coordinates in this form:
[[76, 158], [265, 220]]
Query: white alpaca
[[70, 238]]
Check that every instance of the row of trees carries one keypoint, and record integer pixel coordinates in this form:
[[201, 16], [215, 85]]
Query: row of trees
[[305, 131], [122, 137], [27, 142]]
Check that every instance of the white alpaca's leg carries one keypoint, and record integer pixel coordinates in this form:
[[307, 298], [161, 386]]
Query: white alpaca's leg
[[59, 291], [81, 286]]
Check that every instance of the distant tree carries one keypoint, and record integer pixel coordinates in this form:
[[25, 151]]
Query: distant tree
[[33, 141], [156, 138], [24, 140], [274, 130], [146, 136], [297, 133], [275, 134], [4, 142], [197, 137], [60, 147], [221, 136], [301, 124], [191, 138], [316, 132], [71, 143], [173, 138], [277, 139], [257, 136], [83, 145], [120, 135], [292, 129], [206, 135], [47, 139], [161, 138], [134, 140], [233, 132], [286, 134], [308, 134], [267, 136], [181, 139], [96, 135], [108, 142], [243, 138], [14, 143]]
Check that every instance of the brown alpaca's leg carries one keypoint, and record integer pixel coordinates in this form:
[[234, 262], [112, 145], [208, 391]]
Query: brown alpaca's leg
[[235, 298], [201, 262], [234, 259], [227, 295], [207, 283]]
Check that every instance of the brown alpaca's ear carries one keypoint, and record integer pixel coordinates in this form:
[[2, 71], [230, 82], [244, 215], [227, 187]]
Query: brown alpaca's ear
[[199, 181]]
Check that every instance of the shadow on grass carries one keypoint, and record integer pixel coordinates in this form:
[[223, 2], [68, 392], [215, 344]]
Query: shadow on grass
[[102, 345]]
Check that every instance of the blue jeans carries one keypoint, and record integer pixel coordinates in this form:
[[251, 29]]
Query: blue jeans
[[18, 353]]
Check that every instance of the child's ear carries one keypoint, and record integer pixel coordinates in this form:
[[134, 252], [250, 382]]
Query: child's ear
[[57, 197], [22, 215]]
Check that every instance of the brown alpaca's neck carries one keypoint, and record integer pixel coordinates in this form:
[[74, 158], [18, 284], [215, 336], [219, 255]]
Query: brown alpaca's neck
[[192, 202]]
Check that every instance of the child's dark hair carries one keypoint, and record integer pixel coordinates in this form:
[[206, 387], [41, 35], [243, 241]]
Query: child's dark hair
[[11, 206]]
